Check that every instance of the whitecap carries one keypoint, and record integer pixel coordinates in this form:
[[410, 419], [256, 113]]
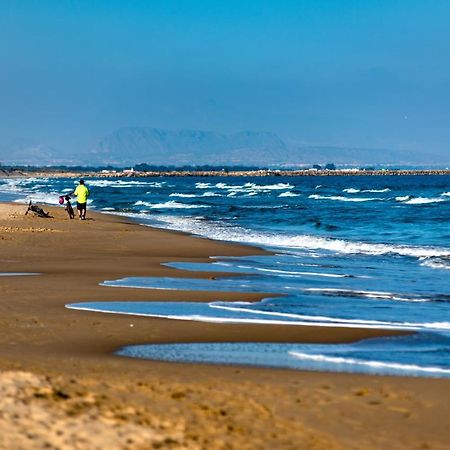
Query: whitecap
[[216, 231], [178, 194], [377, 190], [423, 201], [436, 263], [343, 199], [203, 185], [289, 194], [124, 183], [169, 204]]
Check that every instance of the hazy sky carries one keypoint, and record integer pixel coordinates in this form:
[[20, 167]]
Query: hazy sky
[[355, 73]]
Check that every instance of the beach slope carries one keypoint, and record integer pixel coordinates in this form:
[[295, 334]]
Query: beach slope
[[58, 365]]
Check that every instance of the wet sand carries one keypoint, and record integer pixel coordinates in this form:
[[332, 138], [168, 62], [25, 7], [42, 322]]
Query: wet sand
[[70, 377]]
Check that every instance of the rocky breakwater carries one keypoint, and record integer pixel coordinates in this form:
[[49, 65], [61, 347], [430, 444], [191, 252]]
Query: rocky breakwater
[[267, 173]]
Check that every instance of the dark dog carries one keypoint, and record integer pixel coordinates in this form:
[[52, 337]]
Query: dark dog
[[38, 211], [69, 208]]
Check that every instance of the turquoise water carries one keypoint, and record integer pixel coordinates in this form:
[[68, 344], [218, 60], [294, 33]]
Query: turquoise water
[[349, 251]]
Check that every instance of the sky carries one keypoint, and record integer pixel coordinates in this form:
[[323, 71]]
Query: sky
[[367, 73]]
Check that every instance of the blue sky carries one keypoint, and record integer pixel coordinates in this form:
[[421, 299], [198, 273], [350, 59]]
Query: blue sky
[[352, 73]]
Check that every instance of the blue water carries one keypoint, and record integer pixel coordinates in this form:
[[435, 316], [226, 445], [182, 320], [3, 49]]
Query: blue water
[[349, 251]]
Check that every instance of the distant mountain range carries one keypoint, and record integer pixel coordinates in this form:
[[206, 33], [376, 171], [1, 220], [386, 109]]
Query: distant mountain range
[[155, 146], [32, 153], [134, 145]]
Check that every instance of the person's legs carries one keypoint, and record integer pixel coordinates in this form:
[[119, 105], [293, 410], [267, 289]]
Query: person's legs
[[81, 207]]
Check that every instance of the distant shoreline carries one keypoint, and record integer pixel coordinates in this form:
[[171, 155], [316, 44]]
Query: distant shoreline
[[4, 173]]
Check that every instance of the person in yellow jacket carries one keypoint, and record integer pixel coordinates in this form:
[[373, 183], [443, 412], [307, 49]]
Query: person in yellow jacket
[[82, 193]]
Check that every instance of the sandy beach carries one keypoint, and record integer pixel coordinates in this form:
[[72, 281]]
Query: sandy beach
[[62, 386]]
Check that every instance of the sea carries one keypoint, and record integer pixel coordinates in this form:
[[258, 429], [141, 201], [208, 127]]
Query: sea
[[347, 251]]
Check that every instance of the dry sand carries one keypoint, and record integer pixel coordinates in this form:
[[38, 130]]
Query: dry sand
[[62, 387]]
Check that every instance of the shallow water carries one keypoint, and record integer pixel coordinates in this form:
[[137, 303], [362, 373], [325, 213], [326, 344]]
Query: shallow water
[[349, 251]]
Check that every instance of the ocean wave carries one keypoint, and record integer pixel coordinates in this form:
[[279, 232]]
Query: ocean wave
[[51, 198], [355, 191], [253, 187], [289, 194], [203, 185], [436, 262], [178, 194], [403, 198], [373, 364], [169, 204], [423, 200], [445, 194], [337, 292], [239, 313], [269, 187], [344, 199], [377, 190], [125, 184], [337, 321], [216, 231], [289, 273]]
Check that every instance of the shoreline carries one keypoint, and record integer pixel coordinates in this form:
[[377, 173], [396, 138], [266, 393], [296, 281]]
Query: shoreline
[[41, 336]]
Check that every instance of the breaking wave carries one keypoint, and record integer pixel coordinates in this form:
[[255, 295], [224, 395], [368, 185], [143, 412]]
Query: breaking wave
[[169, 204], [344, 199]]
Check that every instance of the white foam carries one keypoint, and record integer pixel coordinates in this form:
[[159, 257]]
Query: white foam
[[445, 194], [40, 197], [125, 183], [236, 234], [288, 273], [289, 194], [253, 187], [171, 204], [203, 185], [214, 319], [340, 198], [340, 322], [373, 364], [403, 198], [423, 200], [436, 263], [367, 294], [376, 190], [355, 191], [178, 194]]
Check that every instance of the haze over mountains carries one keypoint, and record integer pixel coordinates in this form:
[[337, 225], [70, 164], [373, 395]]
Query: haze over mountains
[[133, 145]]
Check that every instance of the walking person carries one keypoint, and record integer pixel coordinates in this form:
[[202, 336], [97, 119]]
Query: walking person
[[82, 193]]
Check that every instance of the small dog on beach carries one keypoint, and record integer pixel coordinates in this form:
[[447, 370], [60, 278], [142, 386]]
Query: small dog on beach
[[68, 206]]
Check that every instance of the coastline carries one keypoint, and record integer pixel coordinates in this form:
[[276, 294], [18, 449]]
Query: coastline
[[39, 335], [19, 173]]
